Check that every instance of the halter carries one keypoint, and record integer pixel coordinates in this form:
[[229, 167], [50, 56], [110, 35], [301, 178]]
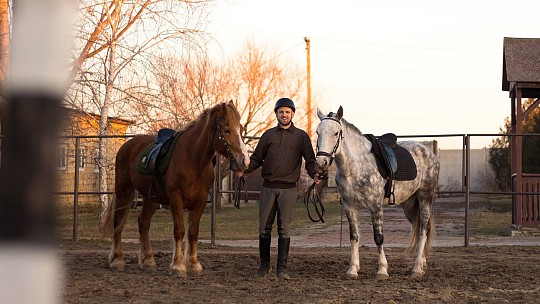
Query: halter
[[332, 154], [230, 155], [241, 180]]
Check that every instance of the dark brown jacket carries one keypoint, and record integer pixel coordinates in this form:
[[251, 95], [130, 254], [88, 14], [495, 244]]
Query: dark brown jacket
[[280, 153]]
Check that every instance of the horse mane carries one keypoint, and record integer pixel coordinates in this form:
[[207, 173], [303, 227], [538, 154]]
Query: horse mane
[[208, 113], [351, 127]]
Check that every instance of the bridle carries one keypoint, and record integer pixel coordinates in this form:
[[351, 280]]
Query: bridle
[[228, 151], [312, 195], [332, 154], [232, 159]]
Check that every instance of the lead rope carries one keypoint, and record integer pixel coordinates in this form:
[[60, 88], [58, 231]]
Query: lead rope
[[313, 197], [238, 189]]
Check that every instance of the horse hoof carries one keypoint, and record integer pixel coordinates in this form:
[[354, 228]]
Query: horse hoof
[[352, 276], [149, 267], [197, 273], [382, 277], [148, 264], [179, 274], [196, 269], [416, 275], [117, 265]]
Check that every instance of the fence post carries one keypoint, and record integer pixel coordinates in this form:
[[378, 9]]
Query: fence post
[[76, 189], [467, 186]]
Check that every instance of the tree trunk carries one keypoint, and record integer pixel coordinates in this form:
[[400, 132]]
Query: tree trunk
[[103, 123]]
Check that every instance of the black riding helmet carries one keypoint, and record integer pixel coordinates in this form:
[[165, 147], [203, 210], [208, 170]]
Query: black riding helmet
[[284, 102]]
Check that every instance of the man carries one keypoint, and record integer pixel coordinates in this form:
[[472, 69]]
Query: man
[[280, 151]]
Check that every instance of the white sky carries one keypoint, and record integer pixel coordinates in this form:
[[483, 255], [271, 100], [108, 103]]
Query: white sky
[[407, 67]]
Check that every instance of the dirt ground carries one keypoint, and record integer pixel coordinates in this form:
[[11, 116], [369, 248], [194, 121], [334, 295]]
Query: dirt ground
[[476, 274]]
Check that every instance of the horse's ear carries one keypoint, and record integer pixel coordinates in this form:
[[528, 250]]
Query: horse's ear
[[339, 114], [231, 103], [320, 114], [223, 109]]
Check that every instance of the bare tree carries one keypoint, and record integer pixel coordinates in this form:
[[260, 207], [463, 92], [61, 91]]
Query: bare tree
[[254, 77], [261, 76], [116, 40]]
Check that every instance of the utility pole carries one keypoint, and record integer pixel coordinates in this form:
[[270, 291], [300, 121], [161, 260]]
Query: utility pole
[[308, 111]]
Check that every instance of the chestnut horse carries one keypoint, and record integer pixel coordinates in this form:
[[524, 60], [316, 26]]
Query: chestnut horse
[[188, 179]]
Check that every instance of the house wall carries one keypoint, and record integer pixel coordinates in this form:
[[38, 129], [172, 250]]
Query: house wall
[[450, 176], [87, 125]]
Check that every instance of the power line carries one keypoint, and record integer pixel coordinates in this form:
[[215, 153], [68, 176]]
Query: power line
[[406, 46]]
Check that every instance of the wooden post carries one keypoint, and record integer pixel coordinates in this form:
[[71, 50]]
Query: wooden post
[[308, 106]]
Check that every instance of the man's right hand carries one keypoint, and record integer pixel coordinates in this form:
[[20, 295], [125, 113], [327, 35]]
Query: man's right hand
[[239, 173]]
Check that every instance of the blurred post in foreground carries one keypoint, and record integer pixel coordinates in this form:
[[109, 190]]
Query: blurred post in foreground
[[30, 271]]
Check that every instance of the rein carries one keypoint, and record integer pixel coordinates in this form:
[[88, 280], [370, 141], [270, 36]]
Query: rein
[[241, 180], [313, 197], [238, 189]]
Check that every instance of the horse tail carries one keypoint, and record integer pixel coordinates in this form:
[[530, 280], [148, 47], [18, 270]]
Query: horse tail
[[107, 227], [416, 225], [107, 222]]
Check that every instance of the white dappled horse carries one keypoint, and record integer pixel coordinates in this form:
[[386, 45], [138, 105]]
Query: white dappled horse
[[360, 185]]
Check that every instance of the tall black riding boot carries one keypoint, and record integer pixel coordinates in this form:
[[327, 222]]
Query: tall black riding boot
[[264, 252], [283, 254]]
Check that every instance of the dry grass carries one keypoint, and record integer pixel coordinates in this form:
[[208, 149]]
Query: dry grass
[[231, 223], [488, 216]]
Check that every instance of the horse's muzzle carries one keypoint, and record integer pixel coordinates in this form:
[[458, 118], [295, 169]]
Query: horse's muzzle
[[239, 164], [323, 162]]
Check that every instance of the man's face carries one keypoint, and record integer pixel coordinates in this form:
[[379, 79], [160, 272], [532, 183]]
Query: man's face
[[284, 115]]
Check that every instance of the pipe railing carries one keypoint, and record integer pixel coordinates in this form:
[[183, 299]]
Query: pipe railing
[[217, 188]]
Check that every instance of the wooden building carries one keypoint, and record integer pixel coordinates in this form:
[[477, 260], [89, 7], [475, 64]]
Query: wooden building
[[86, 127], [521, 78]]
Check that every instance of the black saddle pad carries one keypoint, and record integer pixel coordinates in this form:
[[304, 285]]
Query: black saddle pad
[[162, 161], [406, 167]]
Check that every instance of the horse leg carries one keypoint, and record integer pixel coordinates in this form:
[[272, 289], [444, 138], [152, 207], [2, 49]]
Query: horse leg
[[146, 257], [192, 261], [121, 204], [354, 231], [424, 225], [377, 221], [178, 266]]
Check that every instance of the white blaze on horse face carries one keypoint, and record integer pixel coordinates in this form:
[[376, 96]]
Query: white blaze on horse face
[[243, 147]]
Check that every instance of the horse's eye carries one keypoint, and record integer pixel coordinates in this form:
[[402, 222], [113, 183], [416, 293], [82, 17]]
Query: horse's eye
[[228, 131]]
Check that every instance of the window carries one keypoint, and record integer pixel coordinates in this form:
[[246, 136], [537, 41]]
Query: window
[[96, 161], [61, 157], [82, 158]]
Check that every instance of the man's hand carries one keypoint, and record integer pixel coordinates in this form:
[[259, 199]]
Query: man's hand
[[239, 173], [317, 179]]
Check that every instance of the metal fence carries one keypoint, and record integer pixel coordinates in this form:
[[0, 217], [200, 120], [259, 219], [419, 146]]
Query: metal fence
[[465, 190]]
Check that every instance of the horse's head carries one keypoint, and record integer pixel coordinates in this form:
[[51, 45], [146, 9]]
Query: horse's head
[[329, 133], [229, 140]]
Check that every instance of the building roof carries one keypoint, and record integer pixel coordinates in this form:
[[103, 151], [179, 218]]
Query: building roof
[[521, 63], [117, 120]]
